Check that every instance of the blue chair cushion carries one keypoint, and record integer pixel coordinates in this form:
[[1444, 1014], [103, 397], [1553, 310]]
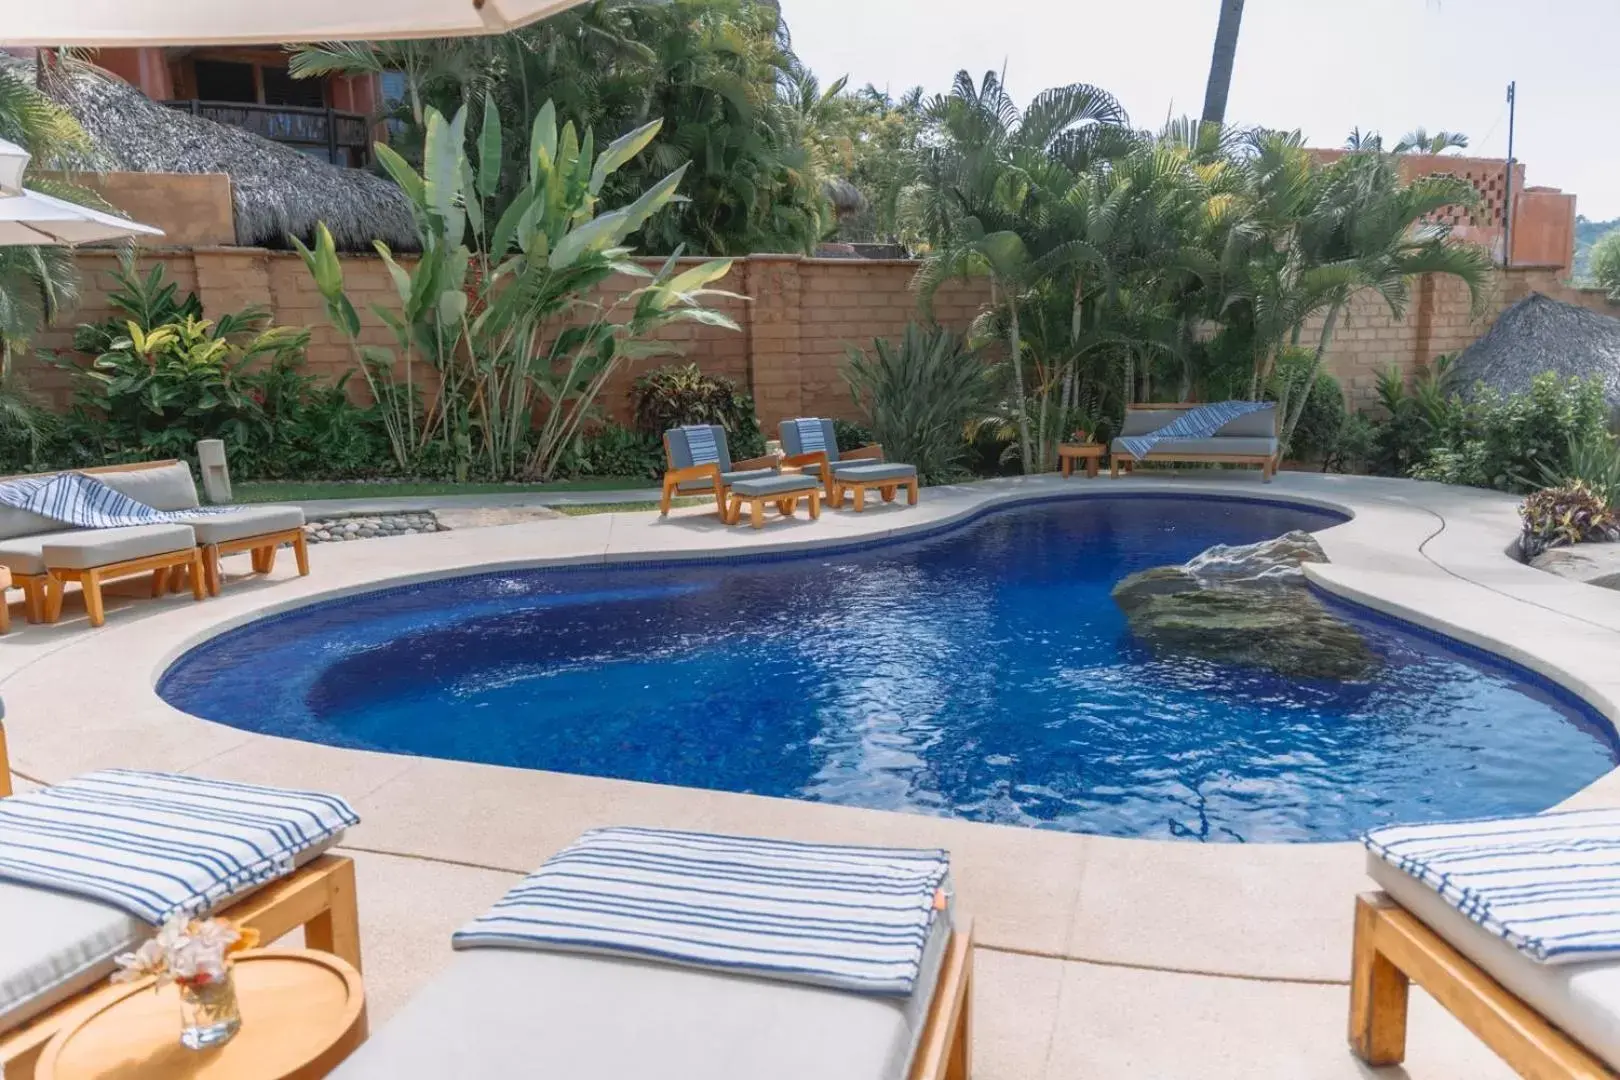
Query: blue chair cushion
[[875, 471], [781, 484], [729, 479]]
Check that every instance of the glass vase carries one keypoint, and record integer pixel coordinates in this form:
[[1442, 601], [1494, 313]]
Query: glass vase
[[208, 1013]]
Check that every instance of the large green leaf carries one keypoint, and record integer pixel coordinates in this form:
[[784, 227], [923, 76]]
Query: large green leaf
[[403, 175], [400, 276], [489, 150], [595, 235], [652, 200], [620, 152], [542, 142], [442, 156]]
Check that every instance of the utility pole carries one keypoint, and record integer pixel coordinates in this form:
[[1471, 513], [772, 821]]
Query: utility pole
[[1507, 207]]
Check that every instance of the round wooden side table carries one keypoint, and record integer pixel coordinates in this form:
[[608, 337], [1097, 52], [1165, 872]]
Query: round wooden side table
[[303, 1012]]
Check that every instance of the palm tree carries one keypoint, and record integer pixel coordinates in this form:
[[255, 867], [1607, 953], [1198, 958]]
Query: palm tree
[[1223, 61], [1419, 141], [36, 283], [1367, 232]]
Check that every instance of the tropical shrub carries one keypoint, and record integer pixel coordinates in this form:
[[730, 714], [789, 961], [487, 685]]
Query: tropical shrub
[[506, 311], [1415, 418], [923, 398], [1353, 447], [1570, 514], [309, 427], [155, 392], [1510, 443], [1316, 436], [1593, 461], [670, 396], [851, 436], [1604, 263], [612, 450]]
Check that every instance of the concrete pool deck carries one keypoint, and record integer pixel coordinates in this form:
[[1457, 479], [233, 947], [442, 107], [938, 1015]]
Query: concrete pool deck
[[1099, 957]]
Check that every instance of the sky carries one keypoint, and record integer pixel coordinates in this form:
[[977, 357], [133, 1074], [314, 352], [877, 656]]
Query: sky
[[1322, 66]]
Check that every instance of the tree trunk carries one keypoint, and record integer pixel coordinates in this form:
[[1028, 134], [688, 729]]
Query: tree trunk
[[1297, 408], [1015, 347], [1222, 61]]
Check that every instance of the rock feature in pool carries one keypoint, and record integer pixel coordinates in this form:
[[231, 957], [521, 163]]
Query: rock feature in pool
[[1246, 605]]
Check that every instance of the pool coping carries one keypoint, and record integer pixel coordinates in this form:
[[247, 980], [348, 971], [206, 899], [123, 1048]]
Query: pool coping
[[1429, 555]]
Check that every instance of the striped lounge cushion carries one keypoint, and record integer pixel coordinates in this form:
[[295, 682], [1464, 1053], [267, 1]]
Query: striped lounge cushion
[[159, 844], [700, 441], [852, 918], [812, 436], [1549, 885]]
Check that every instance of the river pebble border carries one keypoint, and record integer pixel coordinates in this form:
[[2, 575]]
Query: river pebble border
[[341, 527]]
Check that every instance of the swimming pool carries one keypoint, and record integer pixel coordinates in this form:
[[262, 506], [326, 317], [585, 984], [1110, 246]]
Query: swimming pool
[[980, 673]]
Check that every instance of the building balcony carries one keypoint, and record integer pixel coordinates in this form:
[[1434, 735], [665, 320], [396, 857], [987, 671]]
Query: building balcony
[[342, 138]]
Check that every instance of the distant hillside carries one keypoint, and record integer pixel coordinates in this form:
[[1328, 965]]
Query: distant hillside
[[1587, 233]]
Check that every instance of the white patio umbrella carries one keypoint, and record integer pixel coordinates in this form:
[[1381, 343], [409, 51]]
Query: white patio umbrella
[[259, 22], [32, 218], [13, 160]]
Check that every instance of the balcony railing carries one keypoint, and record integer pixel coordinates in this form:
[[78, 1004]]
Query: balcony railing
[[291, 124]]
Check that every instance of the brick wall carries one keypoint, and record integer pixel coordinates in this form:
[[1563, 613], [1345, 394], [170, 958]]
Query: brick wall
[[798, 316], [1438, 321]]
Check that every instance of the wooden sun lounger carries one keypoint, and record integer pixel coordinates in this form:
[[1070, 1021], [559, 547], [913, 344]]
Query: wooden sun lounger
[[1394, 949], [319, 896], [946, 1049]]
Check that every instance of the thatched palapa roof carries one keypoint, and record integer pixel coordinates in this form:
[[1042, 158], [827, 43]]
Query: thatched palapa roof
[[276, 189], [1542, 334]]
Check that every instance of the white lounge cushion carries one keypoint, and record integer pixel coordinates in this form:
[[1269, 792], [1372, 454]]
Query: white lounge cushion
[[26, 554], [248, 521], [14, 523], [165, 487], [1220, 444], [53, 945], [1583, 999], [516, 1013], [84, 548]]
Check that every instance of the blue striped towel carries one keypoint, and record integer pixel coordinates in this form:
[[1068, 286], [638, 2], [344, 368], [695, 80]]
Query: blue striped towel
[[1548, 885], [853, 918], [701, 442], [158, 844], [85, 502], [1199, 423], [812, 436]]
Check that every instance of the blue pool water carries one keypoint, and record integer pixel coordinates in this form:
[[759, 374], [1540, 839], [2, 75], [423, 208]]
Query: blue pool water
[[983, 673]]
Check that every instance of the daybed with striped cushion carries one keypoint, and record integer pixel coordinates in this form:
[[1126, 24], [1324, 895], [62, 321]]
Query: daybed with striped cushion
[[1512, 924], [699, 462], [1251, 439], [57, 946], [611, 962], [811, 443]]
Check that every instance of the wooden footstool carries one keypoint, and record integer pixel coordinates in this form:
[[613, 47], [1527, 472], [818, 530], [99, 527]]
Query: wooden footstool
[[887, 479], [1090, 453], [785, 490], [5, 604]]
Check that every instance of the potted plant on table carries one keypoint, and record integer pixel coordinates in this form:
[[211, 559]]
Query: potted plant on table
[[195, 955]]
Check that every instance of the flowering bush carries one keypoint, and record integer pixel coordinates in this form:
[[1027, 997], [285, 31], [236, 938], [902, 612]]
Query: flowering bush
[[1572, 514], [185, 951]]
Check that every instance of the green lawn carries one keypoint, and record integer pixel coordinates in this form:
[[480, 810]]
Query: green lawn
[[257, 491]]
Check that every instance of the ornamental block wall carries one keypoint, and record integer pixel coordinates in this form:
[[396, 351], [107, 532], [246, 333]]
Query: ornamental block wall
[[798, 318]]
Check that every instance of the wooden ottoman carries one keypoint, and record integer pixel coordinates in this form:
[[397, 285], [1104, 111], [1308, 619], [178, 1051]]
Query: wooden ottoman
[[784, 489], [1090, 453]]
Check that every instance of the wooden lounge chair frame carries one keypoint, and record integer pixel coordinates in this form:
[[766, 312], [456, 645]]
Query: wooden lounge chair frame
[[319, 896], [1393, 948], [945, 1051], [818, 460], [674, 478], [1268, 462], [90, 580]]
